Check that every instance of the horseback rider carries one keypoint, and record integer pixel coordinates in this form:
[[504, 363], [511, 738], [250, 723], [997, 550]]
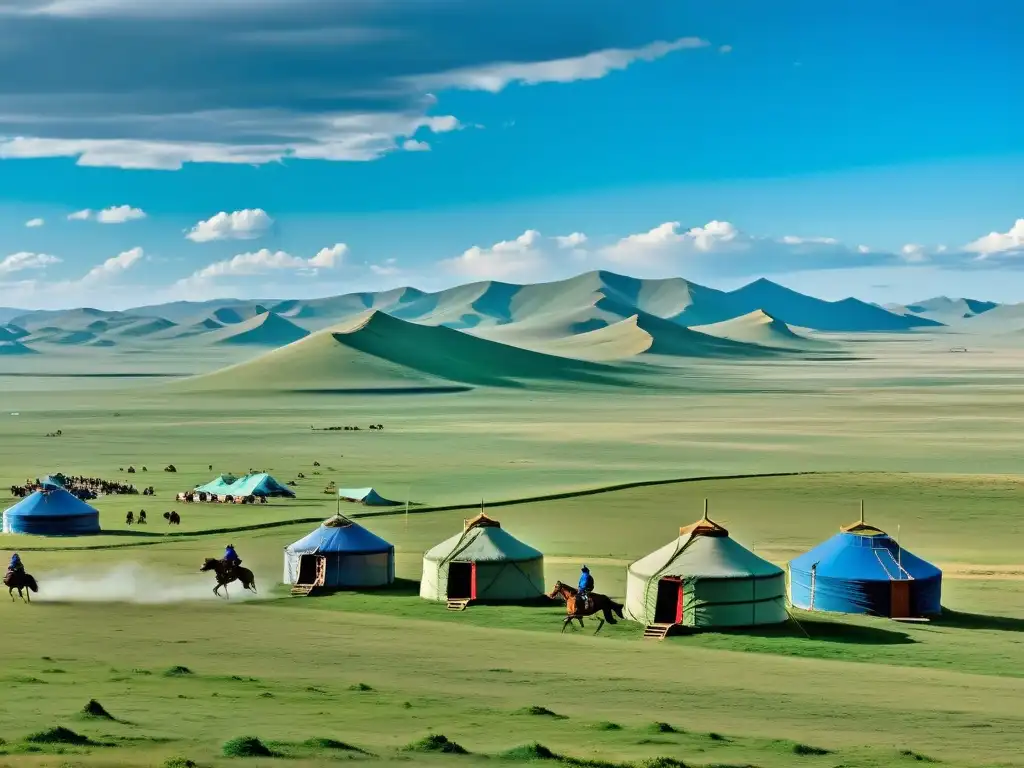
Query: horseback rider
[[585, 587], [16, 566], [231, 558]]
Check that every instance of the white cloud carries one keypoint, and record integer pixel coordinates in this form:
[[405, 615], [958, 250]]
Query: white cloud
[[19, 262], [265, 261], [574, 240], [247, 224], [329, 258], [119, 214], [995, 243], [388, 269], [530, 256], [914, 253], [592, 66], [116, 214], [114, 266], [412, 145], [725, 49], [32, 223]]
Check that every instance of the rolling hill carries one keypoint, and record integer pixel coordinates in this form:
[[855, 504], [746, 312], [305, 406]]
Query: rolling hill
[[265, 330], [943, 309], [377, 352], [760, 328], [15, 348]]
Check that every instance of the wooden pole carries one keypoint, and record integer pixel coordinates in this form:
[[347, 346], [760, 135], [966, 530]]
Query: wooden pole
[[705, 509], [862, 511]]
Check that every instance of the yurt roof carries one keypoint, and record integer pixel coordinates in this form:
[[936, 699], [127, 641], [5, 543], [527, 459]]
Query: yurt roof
[[339, 535], [705, 550], [863, 553], [55, 503], [483, 540]]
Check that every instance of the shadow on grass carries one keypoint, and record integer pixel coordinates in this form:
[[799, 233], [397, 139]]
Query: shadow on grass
[[978, 621], [823, 631]]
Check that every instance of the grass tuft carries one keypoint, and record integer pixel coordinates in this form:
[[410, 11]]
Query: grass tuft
[[716, 737], [661, 762], [662, 728], [58, 735], [805, 749], [360, 687], [322, 743], [177, 672], [541, 712], [246, 746], [179, 762], [607, 726], [437, 742], [95, 711], [909, 753], [528, 752]]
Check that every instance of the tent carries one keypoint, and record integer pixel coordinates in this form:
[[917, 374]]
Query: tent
[[339, 554], [52, 513], [367, 496], [259, 484], [705, 579], [862, 570], [483, 562]]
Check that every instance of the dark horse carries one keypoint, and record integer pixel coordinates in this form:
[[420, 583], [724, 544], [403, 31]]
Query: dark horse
[[596, 603], [19, 580], [226, 574]]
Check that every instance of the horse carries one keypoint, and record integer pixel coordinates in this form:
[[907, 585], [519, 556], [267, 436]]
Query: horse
[[129, 518], [172, 518], [226, 574], [596, 603], [142, 517], [19, 580]]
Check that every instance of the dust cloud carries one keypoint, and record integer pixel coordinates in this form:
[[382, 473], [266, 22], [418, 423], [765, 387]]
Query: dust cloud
[[132, 583]]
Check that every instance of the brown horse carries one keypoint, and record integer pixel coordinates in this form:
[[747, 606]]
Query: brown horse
[[19, 580], [597, 603], [226, 574]]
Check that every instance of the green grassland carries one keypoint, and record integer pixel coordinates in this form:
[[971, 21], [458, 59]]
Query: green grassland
[[929, 441]]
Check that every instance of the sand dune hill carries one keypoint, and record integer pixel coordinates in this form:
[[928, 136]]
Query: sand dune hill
[[321, 313], [7, 334], [142, 327], [50, 335], [377, 352], [15, 348], [266, 330], [944, 310], [1000, 319], [238, 314], [760, 328], [797, 309], [15, 331]]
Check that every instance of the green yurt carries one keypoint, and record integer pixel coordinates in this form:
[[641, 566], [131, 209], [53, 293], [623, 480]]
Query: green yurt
[[705, 579], [482, 563]]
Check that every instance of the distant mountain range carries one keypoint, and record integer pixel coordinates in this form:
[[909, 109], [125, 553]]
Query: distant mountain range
[[594, 316]]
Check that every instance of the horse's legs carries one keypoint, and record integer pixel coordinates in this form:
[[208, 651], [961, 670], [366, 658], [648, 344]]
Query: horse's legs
[[565, 623], [599, 625], [11, 593], [216, 590], [580, 620], [28, 595]]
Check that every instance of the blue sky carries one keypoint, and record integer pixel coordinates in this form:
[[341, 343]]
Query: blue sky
[[841, 148]]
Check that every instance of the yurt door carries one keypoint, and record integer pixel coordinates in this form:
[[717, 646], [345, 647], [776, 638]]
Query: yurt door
[[899, 605], [669, 608], [461, 581]]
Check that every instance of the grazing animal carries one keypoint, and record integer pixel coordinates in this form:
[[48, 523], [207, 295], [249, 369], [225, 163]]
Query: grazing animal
[[21, 581], [227, 573], [129, 518], [574, 610], [316, 463]]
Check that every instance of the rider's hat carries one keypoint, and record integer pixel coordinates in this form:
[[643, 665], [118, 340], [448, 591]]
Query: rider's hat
[[586, 569]]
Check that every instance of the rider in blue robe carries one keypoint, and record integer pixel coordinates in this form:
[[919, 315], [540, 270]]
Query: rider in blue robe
[[585, 587], [231, 557], [16, 566]]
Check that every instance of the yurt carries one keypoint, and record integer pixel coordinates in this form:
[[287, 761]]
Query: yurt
[[862, 570], [366, 496], [53, 512], [705, 579], [484, 563], [340, 554]]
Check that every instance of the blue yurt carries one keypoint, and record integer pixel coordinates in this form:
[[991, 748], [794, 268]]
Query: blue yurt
[[339, 554], [52, 513], [862, 570]]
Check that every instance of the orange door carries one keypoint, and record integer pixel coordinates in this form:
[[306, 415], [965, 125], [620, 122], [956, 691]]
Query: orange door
[[899, 606]]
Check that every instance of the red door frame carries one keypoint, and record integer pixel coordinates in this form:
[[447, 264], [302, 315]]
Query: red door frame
[[679, 596], [472, 582]]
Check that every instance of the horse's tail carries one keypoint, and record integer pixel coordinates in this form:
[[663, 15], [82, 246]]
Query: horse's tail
[[617, 607], [30, 582], [607, 610]]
